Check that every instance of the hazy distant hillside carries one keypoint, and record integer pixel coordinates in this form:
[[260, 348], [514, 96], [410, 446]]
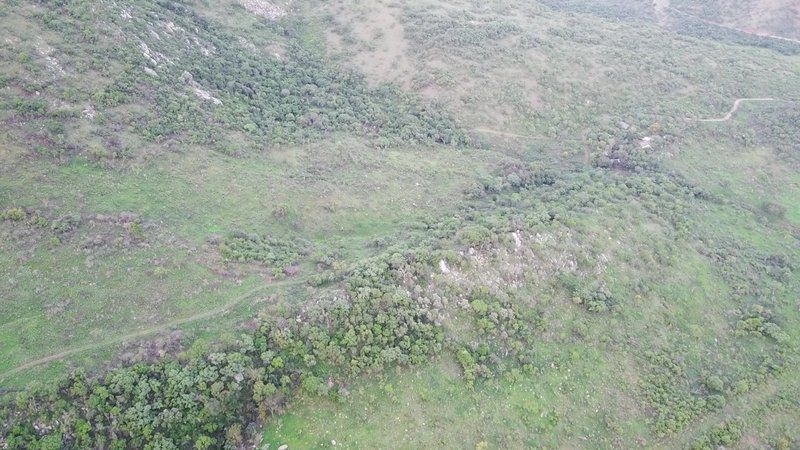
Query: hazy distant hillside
[[766, 17]]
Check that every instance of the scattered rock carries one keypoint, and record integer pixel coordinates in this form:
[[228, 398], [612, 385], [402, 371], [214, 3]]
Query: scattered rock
[[187, 78], [205, 95], [171, 27], [46, 52], [517, 240], [623, 125], [153, 56], [443, 266], [264, 9], [89, 112]]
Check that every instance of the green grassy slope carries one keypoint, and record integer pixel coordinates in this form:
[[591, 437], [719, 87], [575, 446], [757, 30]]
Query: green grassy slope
[[148, 203]]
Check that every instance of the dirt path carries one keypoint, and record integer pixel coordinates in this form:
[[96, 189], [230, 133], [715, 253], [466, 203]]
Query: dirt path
[[155, 329], [505, 133], [738, 407], [721, 25], [735, 107], [660, 7]]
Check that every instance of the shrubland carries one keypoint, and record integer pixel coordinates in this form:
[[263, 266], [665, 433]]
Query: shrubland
[[521, 247]]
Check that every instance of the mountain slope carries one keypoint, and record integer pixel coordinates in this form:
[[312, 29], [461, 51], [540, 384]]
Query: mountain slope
[[442, 224]]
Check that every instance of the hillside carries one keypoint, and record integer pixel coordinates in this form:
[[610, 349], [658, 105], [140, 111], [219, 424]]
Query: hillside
[[500, 224], [779, 19]]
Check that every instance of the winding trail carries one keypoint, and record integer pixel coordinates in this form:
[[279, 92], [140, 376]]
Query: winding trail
[[155, 329], [506, 133], [735, 107], [721, 25], [660, 8]]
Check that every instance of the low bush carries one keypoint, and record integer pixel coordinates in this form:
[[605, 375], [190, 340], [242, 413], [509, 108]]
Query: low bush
[[248, 247]]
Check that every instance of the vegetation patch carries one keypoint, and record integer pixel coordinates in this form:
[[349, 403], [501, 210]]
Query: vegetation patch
[[517, 246], [247, 247]]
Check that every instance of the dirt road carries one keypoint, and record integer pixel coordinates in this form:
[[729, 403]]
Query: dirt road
[[506, 134], [152, 330], [735, 107], [721, 25]]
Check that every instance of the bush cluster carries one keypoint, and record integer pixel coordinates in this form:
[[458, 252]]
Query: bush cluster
[[757, 321], [60, 225], [722, 435], [666, 389], [461, 33], [593, 295], [248, 247], [214, 401]]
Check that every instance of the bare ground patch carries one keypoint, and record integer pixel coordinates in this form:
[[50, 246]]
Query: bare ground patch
[[265, 9], [377, 30]]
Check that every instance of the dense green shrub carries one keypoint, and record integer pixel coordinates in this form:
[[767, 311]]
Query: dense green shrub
[[31, 107], [666, 389], [14, 214], [593, 295], [474, 235], [714, 384], [722, 435], [245, 247], [616, 9], [757, 321]]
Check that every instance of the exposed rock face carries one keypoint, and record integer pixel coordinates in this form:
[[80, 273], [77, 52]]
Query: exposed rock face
[[264, 9]]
